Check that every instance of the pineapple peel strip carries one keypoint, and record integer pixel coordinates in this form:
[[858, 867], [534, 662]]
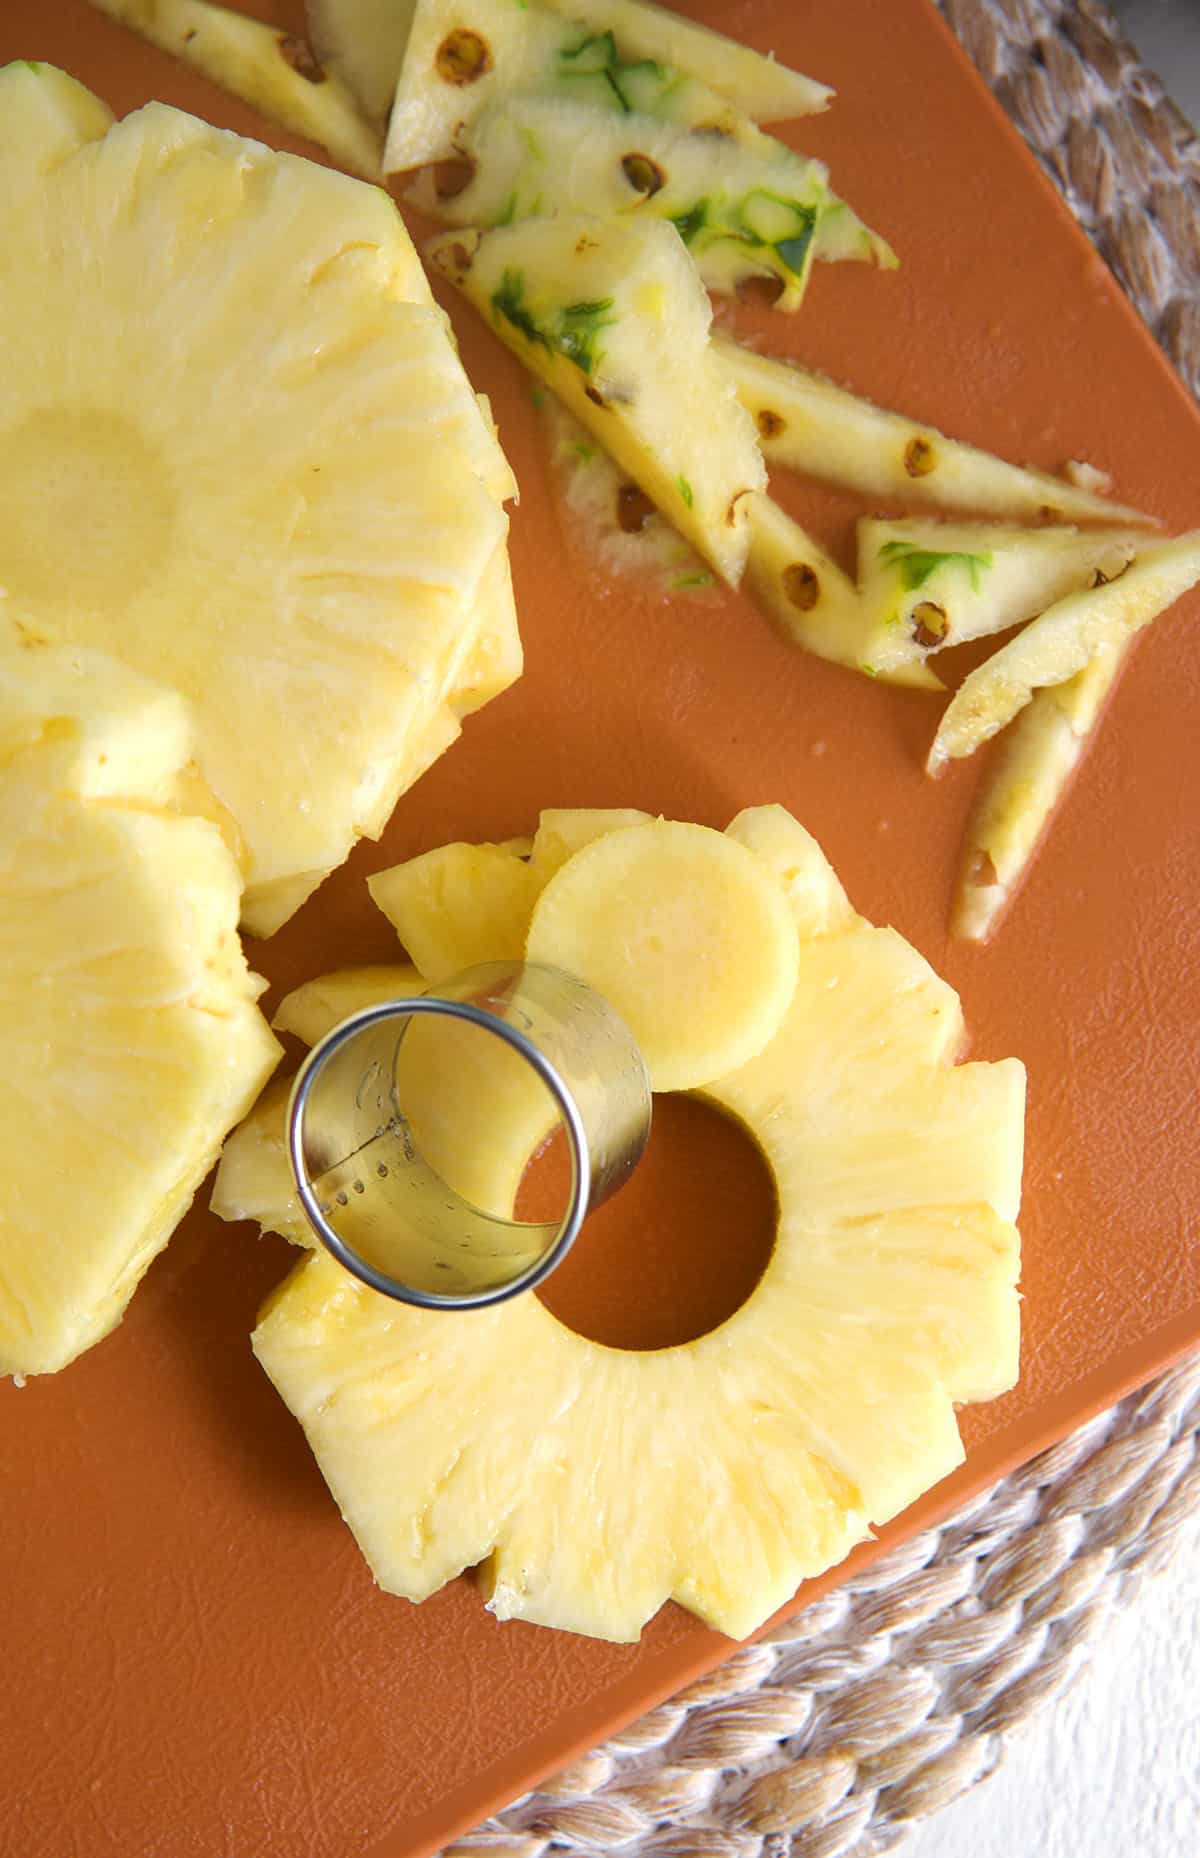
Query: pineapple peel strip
[[588, 1484]]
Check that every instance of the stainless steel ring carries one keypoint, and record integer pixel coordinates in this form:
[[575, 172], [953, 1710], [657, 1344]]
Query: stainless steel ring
[[391, 1187]]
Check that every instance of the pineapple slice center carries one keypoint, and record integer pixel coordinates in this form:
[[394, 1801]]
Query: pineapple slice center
[[688, 1272], [86, 508]]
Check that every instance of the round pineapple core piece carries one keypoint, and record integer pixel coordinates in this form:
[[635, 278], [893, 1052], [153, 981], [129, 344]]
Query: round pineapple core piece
[[589, 1483], [688, 937]]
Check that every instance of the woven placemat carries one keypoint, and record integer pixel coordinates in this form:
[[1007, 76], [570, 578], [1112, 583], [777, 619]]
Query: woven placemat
[[882, 1702]]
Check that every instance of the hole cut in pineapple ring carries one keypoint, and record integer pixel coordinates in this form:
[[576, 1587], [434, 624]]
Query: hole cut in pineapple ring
[[410, 1127]]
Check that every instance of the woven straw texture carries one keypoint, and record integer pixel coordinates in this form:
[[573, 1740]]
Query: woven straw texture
[[881, 1703]]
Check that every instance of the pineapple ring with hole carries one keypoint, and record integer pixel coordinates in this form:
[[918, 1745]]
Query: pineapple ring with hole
[[685, 933], [589, 1484]]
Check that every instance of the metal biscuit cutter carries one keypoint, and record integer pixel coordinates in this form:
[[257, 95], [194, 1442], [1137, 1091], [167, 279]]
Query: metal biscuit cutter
[[410, 1126]]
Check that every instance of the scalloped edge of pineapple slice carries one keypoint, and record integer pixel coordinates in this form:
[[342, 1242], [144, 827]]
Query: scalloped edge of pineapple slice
[[275, 72]]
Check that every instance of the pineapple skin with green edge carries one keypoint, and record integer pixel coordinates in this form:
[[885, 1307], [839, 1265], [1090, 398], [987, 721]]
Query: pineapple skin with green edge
[[612, 316], [929, 585], [587, 1485], [128, 1013], [244, 412]]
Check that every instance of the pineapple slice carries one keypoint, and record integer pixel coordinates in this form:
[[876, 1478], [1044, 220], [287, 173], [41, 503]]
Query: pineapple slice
[[763, 90], [685, 933], [792, 579], [1047, 742], [744, 205], [929, 585], [285, 489], [1075, 631], [611, 315], [590, 1484], [131, 1036], [458, 906], [807, 424], [276, 73], [564, 830], [362, 42]]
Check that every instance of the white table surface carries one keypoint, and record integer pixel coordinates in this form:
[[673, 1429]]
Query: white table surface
[[1112, 1768]]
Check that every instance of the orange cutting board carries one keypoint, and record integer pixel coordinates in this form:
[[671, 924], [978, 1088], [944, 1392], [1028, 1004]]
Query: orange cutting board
[[195, 1659]]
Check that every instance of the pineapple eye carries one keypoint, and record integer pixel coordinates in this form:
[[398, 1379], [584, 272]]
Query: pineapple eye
[[929, 624], [462, 57], [644, 176], [770, 424], [802, 586], [453, 176], [983, 873], [298, 53], [919, 458], [731, 514], [634, 509], [754, 288]]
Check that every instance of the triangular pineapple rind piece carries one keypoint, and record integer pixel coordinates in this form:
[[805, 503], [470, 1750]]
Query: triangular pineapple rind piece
[[745, 205], [1072, 633], [926, 585], [274, 72], [1019, 796], [814, 603], [611, 315], [808, 424], [131, 1035]]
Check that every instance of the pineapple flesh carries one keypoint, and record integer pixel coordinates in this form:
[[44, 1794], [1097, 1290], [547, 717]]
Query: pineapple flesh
[[611, 315], [587, 1484], [1075, 631], [275, 72], [927, 585], [807, 424], [1015, 806], [228, 384], [362, 42], [132, 1039], [812, 602]]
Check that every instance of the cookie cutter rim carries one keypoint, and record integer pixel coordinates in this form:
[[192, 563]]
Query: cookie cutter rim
[[571, 1119]]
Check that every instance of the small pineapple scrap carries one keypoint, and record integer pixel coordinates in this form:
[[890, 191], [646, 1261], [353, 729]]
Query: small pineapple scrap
[[1018, 799], [228, 383], [1076, 630], [131, 1037], [589, 1484], [612, 316], [274, 72], [807, 424], [926, 585], [362, 42]]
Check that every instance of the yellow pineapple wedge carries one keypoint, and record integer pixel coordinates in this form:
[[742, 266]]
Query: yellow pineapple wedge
[[131, 1037], [1019, 797], [588, 1484], [457, 906], [928, 585], [274, 72], [227, 382], [1072, 633], [813, 603], [612, 316], [807, 424]]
